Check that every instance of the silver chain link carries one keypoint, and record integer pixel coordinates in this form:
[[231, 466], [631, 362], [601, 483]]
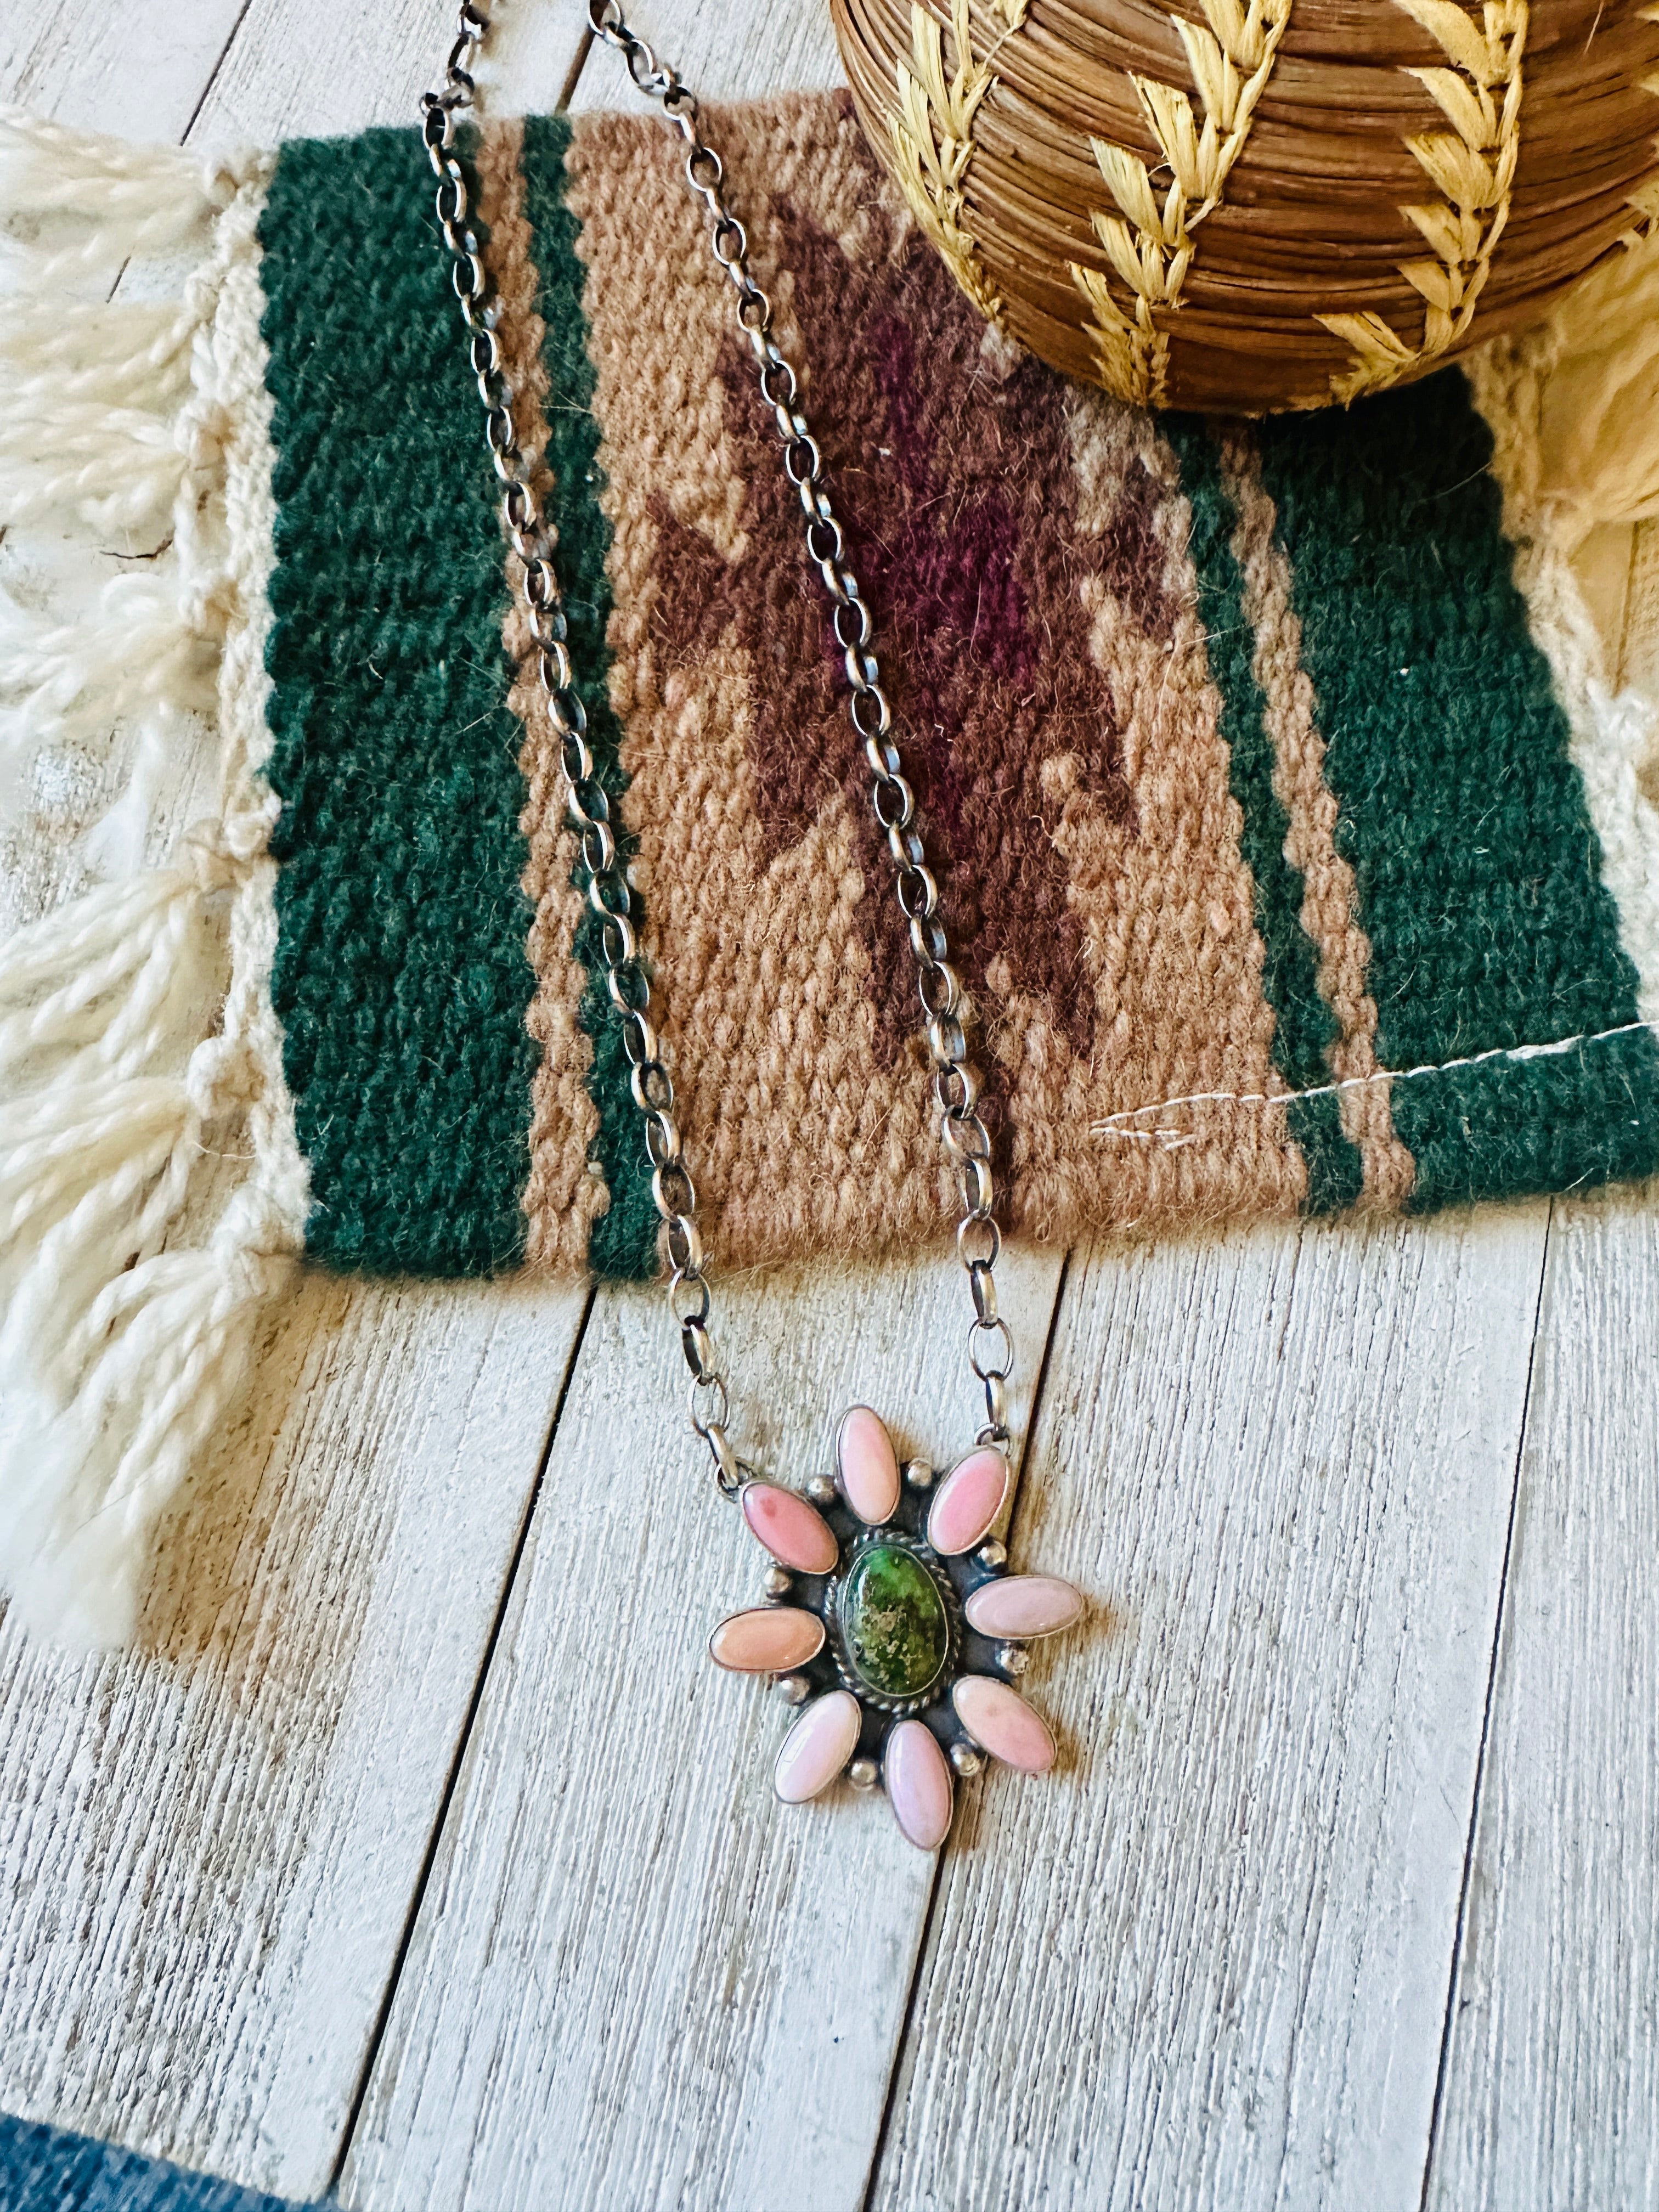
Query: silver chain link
[[533, 538]]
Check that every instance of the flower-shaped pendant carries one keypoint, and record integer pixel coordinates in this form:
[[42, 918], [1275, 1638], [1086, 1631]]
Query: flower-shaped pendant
[[893, 1623]]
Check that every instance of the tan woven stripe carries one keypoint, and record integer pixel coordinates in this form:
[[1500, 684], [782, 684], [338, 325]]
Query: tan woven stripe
[[1329, 907], [805, 1133], [807, 1129], [565, 1193], [799, 1137], [1166, 901]]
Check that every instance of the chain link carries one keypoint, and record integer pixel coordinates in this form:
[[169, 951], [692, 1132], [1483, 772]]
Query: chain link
[[533, 540], [955, 1083]]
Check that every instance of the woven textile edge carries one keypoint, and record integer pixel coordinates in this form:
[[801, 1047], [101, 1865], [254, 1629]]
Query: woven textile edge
[[1612, 734], [138, 1049]]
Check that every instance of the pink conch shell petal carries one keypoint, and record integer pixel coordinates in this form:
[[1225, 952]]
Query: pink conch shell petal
[[868, 1466], [1000, 1722], [969, 1499], [1024, 1605], [918, 1784], [793, 1531], [818, 1746], [767, 1639]]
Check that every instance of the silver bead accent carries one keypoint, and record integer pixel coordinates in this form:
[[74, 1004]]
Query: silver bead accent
[[1012, 1658], [779, 1582], [821, 1489], [993, 1555], [966, 1761], [863, 1774], [792, 1688], [918, 1475]]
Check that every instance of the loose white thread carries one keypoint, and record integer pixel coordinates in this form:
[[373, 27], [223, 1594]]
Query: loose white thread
[[1586, 366], [1172, 1140]]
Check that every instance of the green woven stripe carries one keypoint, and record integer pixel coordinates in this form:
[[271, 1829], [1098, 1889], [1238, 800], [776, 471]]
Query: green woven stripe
[[1303, 1026], [623, 1240], [401, 977], [1477, 869]]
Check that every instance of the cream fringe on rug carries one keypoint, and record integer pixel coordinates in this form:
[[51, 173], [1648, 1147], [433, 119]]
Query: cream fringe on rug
[[138, 1049], [152, 1193]]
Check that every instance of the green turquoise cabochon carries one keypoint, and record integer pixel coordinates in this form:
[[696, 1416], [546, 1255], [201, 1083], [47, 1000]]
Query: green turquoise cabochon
[[893, 1619]]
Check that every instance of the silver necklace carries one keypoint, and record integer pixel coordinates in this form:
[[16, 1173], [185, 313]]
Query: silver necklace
[[889, 1618]]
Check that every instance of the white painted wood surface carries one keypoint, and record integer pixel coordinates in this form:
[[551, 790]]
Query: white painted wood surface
[[140, 69], [208, 1848], [726, 50], [1210, 1964], [1209, 1967], [305, 68], [1552, 2094]]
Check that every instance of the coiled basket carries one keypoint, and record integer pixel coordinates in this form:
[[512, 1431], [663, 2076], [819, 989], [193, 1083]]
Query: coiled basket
[[1256, 204]]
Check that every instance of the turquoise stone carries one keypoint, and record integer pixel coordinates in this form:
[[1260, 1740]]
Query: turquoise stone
[[893, 1622]]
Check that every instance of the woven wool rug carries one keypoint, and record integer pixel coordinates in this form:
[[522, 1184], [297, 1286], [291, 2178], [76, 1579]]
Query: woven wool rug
[[1294, 850]]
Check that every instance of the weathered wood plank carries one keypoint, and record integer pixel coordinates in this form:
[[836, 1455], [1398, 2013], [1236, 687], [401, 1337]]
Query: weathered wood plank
[[299, 70], [637, 1979], [1552, 2071], [723, 50], [209, 1849], [1207, 1967], [1550, 2091], [140, 67]]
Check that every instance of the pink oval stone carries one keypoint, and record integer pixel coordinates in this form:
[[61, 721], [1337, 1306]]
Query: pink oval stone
[[868, 1466], [792, 1530], [918, 1784], [969, 1499], [818, 1747], [767, 1639], [1000, 1722], [1024, 1605]]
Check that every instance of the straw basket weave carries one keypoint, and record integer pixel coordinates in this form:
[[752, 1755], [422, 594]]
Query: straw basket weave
[[1254, 204]]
